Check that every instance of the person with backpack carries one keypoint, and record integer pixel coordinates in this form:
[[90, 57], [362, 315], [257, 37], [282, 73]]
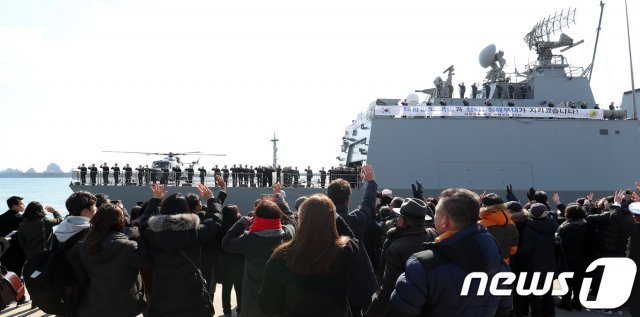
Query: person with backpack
[[36, 231], [173, 236], [50, 276], [111, 263]]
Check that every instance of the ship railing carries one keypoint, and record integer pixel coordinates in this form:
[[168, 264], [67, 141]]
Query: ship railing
[[556, 61], [287, 179]]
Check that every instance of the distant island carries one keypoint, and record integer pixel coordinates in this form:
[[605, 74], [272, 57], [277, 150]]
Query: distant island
[[53, 170]]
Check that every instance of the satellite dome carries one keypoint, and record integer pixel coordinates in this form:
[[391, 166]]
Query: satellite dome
[[412, 99], [487, 56]]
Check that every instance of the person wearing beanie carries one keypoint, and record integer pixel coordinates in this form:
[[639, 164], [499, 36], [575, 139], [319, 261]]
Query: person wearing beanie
[[536, 254], [256, 238], [402, 241], [494, 216]]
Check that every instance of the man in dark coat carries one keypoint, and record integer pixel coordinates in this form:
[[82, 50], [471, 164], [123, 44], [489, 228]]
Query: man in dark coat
[[141, 172], [339, 191], [105, 173], [536, 254], [203, 174], [93, 173], [433, 278], [14, 258], [83, 173], [128, 171], [402, 241], [309, 175], [474, 90], [463, 88], [189, 171], [116, 174], [177, 174], [225, 174], [323, 177]]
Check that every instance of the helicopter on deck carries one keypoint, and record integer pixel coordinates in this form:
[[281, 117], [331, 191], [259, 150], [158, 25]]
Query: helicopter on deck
[[171, 159]]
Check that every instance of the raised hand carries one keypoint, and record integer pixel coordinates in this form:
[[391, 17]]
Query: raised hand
[[220, 183], [50, 209], [205, 191], [277, 188], [158, 191], [556, 199], [618, 196], [418, 193], [638, 186], [531, 194], [510, 189], [367, 173], [590, 197]]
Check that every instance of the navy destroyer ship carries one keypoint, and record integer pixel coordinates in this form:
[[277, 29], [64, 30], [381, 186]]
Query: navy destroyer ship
[[540, 128]]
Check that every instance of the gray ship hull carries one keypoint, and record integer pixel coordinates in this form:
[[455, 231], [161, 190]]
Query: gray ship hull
[[569, 156]]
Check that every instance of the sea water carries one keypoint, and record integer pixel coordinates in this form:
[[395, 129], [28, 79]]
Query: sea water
[[48, 191]]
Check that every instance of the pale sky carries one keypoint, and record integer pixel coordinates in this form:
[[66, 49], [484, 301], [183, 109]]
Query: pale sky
[[79, 77]]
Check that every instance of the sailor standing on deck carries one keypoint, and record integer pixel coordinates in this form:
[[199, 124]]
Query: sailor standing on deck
[[309, 175], [512, 91], [116, 174], [178, 173], [189, 171], [105, 173], [127, 174], [323, 177], [203, 174], [474, 90], [93, 172], [83, 174], [225, 174], [463, 88], [147, 174], [165, 176], [140, 171]]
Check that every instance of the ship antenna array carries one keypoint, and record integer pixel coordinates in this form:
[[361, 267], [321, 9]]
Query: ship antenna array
[[541, 32]]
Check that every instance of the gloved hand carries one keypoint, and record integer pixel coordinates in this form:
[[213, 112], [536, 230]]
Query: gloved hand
[[510, 190], [417, 190], [531, 194]]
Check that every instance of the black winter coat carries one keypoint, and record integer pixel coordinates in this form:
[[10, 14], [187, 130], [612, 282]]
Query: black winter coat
[[286, 294], [399, 246], [31, 236], [634, 254], [358, 220], [114, 284], [611, 231], [177, 291], [13, 259], [573, 233], [256, 248], [536, 250]]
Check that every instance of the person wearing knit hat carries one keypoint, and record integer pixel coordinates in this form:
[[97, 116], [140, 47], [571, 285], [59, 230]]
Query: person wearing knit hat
[[536, 254], [494, 216], [513, 206]]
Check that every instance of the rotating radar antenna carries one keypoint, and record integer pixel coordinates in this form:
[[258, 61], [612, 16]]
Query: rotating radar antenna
[[539, 39]]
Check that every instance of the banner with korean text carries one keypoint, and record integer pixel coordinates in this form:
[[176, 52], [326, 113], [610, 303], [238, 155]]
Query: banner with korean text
[[461, 111]]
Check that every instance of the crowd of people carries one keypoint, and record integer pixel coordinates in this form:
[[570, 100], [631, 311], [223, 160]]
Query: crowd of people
[[391, 256], [236, 175]]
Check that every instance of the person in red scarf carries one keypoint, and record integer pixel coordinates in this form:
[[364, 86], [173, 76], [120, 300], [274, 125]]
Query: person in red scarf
[[256, 238]]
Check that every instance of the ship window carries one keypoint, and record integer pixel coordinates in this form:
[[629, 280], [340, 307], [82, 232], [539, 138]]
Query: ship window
[[617, 132], [604, 131], [354, 133]]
